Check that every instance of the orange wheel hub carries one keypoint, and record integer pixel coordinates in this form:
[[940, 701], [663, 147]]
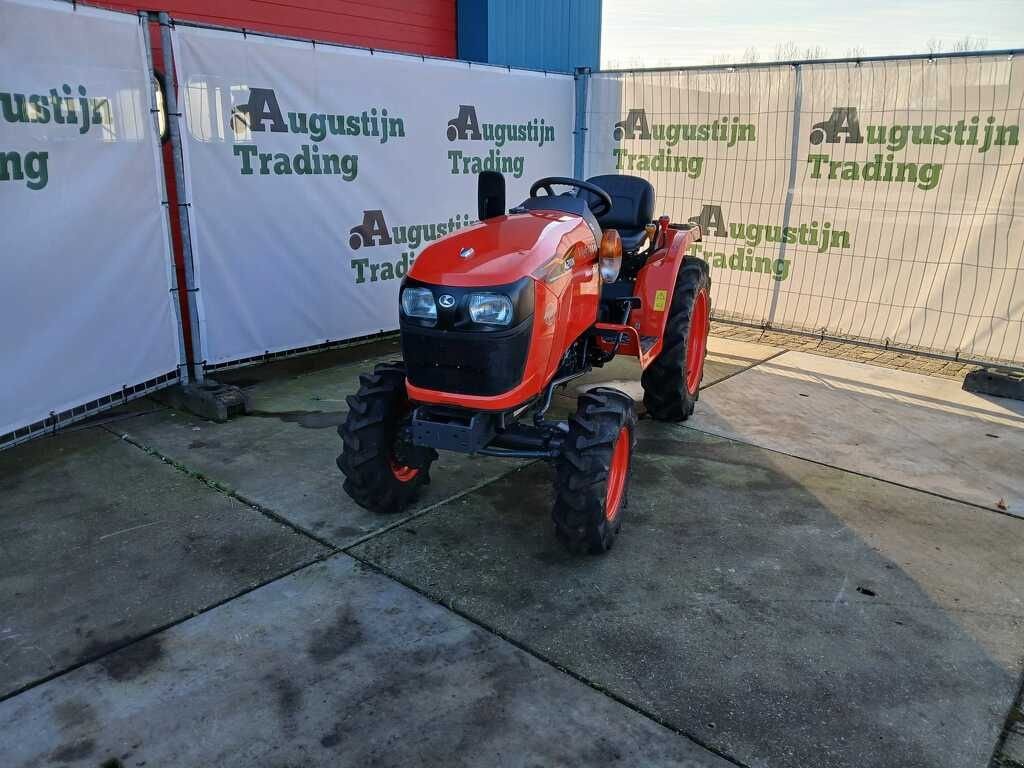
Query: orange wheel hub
[[697, 343], [403, 473], [617, 473]]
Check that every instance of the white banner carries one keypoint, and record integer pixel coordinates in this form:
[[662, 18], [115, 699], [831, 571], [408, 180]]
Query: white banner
[[704, 139], [879, 200], [317, 173], [85, 307]]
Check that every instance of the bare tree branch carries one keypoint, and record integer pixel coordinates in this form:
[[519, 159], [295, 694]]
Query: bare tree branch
[[962, 45], [790, 51], [968, 43]]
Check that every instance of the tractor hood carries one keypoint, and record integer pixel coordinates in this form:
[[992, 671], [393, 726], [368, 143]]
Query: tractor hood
[[501, 250]]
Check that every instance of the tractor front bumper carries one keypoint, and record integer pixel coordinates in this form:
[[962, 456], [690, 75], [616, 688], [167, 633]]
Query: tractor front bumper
[[448, 429], [490, 433]]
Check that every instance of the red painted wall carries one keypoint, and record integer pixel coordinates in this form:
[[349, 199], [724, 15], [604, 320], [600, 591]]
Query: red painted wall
[[412, 26]]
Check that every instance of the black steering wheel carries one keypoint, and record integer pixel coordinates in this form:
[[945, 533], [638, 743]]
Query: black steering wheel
[[598, 207]]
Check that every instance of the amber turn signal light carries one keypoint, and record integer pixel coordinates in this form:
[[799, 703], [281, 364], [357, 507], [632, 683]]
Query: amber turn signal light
[[610, 255]]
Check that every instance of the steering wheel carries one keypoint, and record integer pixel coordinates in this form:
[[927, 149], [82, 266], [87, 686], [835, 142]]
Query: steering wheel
[[598, 207]]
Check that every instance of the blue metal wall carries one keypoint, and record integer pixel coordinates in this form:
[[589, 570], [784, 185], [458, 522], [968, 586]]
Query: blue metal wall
[[556, 35]]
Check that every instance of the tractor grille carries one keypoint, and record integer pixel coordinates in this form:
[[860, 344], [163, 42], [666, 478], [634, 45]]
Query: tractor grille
[[482, 363]]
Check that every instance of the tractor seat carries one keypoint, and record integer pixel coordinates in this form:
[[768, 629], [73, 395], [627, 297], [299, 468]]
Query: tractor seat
[[632, 207]]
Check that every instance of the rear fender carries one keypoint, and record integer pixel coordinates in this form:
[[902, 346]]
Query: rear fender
[[657, 280]]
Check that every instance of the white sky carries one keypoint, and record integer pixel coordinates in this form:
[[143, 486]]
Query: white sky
[[652, 33]]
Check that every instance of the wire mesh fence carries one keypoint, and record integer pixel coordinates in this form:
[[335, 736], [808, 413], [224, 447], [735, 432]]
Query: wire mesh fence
[[875, 200]]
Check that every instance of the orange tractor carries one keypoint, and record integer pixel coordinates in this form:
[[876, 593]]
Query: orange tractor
[[494, 317]]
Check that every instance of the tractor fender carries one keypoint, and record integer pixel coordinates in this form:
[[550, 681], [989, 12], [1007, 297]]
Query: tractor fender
[[657, 280]]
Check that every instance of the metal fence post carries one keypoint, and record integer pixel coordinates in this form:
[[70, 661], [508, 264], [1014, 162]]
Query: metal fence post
[[183, 367], [787, 211], [582, 81], [174, 130]]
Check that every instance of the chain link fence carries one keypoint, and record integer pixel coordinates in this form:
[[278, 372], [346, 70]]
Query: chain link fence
[[873, 200]]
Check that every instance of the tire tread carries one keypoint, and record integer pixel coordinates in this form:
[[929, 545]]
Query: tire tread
[[367, 436], [581, 471], [664, 380]]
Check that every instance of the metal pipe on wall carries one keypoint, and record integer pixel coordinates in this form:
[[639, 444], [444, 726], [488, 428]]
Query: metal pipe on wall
[[174, 130], [183, 363]]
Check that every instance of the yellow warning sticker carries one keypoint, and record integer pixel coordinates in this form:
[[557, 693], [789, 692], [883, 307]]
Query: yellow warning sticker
[[660, 299]]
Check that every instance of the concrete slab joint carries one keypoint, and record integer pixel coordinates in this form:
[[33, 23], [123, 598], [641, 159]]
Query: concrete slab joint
[[823, 567], [209, 399]]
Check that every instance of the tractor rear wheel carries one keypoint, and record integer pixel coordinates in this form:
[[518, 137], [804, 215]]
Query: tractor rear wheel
[[672, 381], [592, 473], [382, 472]]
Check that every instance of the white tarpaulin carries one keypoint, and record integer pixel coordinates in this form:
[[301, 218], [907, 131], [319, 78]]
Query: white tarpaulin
[[316, 174], [85, 306], [878, 200]]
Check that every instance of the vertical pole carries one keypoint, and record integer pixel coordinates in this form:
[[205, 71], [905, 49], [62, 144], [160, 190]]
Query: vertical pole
[[183, 371], [791, 187], [174, 129], [582, 78]]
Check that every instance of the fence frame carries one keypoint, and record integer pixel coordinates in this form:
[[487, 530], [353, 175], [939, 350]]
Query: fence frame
[[174, 116], [199, 365], [583, 76], [59, 420], [183, 366], [1009, 52]]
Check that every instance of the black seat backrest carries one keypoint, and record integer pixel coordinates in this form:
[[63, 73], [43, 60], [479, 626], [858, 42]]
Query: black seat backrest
[[490, 195], [632, 201]]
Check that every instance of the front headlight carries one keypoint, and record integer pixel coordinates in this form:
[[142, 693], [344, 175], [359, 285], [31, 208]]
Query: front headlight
[[419, 303], [490, 309]]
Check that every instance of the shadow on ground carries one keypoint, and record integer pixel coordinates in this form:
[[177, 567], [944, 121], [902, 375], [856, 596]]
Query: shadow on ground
[[171, 593], [752, 601], [282, 457]]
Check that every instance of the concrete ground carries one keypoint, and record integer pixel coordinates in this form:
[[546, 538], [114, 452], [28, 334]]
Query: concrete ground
[[845, 350], [824, 567]]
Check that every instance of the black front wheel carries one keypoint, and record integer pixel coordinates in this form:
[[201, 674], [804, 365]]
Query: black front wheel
[[592, 472], [382, 472]]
